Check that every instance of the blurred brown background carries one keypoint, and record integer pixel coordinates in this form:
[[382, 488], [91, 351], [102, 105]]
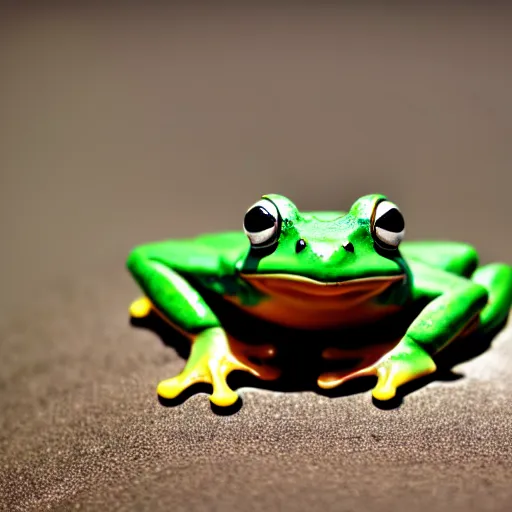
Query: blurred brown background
[[121, 124]]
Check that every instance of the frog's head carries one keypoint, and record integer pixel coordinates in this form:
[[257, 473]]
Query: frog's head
[[327, 248]]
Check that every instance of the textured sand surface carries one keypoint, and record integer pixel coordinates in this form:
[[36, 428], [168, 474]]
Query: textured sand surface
[[81, 425], [122, 126]]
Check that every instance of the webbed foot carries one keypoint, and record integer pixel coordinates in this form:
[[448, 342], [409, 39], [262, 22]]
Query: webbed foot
[[406, 362], [211, 361]]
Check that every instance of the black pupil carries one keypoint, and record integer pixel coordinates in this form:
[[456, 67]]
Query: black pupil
[[392, 221], [258, 219]]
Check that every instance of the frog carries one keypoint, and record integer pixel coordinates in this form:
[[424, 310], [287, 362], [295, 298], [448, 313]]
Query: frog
[[315, 271]]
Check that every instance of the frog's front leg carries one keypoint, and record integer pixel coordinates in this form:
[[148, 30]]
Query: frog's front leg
[[454, 303], [172, 296]]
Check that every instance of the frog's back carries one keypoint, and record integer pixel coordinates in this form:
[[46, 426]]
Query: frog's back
[[224, 239], [455, 257], [230, 243]]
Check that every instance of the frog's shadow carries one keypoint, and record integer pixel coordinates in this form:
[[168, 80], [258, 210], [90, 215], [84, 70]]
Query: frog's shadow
[[300, 363]]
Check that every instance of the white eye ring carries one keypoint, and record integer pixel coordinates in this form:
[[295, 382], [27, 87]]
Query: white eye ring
[[261, 223], [389, 225]]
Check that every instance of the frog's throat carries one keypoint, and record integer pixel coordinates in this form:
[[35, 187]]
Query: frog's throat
[[299, 287]]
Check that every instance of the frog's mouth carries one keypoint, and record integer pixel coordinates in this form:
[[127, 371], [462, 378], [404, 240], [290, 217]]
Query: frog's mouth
[[294, 287]]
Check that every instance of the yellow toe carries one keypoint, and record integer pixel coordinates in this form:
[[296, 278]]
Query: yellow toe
[[224, 398], [384, 393], [169, 388], [140, 308]]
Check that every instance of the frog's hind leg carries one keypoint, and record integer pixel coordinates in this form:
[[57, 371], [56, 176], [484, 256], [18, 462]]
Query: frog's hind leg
[[462, 259], [454, 257], [496, 278]]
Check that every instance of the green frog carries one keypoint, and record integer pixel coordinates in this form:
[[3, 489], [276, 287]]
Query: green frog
[[318, 271]]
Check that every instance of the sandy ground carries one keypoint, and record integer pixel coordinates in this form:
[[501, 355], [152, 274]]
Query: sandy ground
[[124, 126]]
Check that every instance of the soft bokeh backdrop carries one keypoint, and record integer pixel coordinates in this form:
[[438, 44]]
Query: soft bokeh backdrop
[[124, 124]]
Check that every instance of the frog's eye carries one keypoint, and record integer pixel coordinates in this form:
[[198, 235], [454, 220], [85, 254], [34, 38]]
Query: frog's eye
[[388, 225], [261, 224]]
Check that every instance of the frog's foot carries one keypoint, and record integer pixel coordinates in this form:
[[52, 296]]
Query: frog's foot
[[392, 371], [211, 361], [140, 308]]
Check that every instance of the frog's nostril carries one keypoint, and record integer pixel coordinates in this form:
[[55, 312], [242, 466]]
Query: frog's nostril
[[301, 245], [348, 246]]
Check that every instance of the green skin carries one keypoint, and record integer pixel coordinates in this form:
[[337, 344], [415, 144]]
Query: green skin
[[444, 275]]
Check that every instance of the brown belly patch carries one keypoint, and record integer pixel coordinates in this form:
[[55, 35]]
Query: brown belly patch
[[299, 302]]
